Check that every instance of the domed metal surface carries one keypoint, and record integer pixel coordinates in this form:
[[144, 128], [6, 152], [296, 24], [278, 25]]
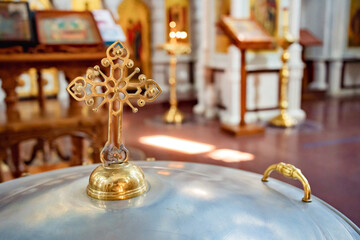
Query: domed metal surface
[[116, 182], [184, 201]]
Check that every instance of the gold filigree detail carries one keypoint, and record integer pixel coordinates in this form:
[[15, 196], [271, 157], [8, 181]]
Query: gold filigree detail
[[115, 90], [116, 87]]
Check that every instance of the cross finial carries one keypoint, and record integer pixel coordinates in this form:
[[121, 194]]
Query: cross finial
[[115, 89]]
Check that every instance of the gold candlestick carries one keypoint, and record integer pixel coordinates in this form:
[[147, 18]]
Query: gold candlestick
[[174, 48], [284, 119], [116, 178]]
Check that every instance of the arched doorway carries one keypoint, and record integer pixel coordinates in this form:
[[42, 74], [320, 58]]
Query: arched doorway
[[134, 18]]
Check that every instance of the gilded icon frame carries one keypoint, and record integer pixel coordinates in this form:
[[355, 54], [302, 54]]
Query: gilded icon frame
[[16, 19], [63, 28]]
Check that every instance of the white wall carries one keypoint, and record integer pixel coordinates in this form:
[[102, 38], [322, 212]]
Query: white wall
[[329, 20], [263, 94]]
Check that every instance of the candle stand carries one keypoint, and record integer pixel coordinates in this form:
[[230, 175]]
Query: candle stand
[[284, 119], [174, 48]]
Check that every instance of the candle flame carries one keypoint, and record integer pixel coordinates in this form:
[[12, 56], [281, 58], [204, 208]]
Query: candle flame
[[172, 24], [172, 34]]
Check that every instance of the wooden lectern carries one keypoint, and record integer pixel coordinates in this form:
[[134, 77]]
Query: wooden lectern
[[245, 34]]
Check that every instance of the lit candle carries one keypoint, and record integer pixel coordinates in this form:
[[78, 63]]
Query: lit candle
[[183, 35], [172, 24], [172, 34], [176, 34]]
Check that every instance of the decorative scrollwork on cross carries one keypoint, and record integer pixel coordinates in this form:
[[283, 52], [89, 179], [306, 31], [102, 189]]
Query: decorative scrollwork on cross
[[115, 89]]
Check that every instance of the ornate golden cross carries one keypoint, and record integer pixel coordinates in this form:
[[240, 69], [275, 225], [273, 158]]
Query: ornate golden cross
[[115, 89]]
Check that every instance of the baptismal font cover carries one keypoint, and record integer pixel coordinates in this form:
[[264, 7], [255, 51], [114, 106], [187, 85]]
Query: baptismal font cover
[[116, 178], [178, 200]]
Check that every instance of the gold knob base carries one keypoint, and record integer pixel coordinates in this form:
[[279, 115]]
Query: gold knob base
[[283, 120], [117, 182], [174, 115]]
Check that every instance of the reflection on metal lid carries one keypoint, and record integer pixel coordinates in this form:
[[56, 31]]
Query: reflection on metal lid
[[197, 201], [228, 155]]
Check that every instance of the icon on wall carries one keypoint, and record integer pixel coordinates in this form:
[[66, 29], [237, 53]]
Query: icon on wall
[[15, 24], [137, 30], [354, 24], [265, 12]]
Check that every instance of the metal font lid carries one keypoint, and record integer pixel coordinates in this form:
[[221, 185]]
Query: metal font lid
[[184, 201]]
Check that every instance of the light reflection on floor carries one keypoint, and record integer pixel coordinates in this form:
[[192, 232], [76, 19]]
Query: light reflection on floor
[[177, 144], [192, 147]]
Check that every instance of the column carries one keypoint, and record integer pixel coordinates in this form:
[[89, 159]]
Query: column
[[335, 68], [231, 90], [159, 57], [295, 64], [231, 93], [319, 82], [201, 55]]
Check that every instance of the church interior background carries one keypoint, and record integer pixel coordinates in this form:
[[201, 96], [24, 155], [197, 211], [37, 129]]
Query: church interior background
[[217, 86]]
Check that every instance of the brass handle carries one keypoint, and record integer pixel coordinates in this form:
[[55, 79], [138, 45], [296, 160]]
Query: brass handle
[[290, 171]]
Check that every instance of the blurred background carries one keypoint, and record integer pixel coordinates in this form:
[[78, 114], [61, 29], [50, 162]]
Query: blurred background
[[227, 58]]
